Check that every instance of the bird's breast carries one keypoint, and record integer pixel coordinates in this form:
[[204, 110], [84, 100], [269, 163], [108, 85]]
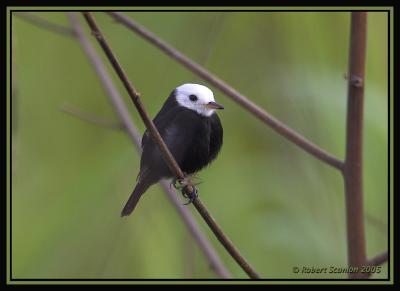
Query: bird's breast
[[197, 152]]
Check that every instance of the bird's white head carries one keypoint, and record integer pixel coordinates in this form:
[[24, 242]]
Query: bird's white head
[[198, 98]]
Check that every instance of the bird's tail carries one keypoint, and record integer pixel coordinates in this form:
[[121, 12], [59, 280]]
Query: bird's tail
[[140, 188]]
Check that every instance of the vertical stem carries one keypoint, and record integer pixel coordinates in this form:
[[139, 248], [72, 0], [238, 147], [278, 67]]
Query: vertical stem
[[354, 136]]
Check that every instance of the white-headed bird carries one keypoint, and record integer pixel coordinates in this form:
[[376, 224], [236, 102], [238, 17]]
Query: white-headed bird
[[192, 131]]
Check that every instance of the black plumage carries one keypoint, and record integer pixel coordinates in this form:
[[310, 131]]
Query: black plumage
[[194, 140]]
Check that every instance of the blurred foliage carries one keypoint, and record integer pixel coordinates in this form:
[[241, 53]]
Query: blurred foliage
[[279, 205]]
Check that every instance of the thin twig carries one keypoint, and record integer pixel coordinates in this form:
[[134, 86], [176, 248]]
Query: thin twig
[[43, 23], [91, 118], [379, 259], [242, 100], [133, 133], [352, 170], [209, 43], [169, 159]]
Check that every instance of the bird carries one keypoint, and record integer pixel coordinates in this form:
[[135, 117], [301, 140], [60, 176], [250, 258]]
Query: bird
[[192, 131]]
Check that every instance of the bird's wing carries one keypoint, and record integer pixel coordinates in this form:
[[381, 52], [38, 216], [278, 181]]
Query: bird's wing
[[162, 118], [170, 108], [178, 128]]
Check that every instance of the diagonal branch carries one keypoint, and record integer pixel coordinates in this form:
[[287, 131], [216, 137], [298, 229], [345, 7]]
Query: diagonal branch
[[242, 100], [133, 133], [379, 259], [43, 23], [169, 159], [352, 171]]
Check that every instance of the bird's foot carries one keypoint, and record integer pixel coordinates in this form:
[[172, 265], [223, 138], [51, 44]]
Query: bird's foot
[[182, 185], [176, 183], [191, 196]]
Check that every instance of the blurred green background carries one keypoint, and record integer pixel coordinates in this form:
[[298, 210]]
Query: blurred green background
[[279, 205]]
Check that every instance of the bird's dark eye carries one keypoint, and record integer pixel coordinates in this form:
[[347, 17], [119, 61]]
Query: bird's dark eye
[[193, 98]]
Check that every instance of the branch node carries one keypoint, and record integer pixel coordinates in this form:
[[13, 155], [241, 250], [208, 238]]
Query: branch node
[[356, 81], [97, 35]]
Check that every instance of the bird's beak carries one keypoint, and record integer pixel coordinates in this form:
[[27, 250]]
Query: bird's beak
[[214, 105]]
